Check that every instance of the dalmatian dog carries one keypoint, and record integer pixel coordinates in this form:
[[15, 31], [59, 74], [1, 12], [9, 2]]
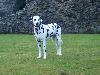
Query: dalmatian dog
[[42, 32]]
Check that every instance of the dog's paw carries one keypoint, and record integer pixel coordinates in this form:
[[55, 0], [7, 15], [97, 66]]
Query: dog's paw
[[59, 54], [38, 57]]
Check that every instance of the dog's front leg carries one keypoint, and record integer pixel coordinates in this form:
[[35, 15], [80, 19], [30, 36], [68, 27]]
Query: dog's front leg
[[39, 48], [44, 48]]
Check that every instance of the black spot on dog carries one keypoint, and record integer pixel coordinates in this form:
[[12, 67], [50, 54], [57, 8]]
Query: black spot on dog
[[53, 27], [51, 34], [57, 30], [43, 30], [45, 50], [47, 30], [38, 40], [39, 32], [42, 27], [48, 26], [57, 34], [36, 30], [47, 33], [39, 28], [39, 45], [58, 26]]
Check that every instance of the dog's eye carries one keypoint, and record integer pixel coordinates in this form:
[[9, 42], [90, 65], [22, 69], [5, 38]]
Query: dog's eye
[[34, 19]]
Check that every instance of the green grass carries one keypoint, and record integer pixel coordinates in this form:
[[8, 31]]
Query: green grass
[[81, 55]]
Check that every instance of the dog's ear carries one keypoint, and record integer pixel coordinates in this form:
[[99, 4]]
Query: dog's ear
[[31, 18], [41, 21]]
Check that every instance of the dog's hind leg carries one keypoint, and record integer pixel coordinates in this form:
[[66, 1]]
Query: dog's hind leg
[[56, 44], [59, 41]]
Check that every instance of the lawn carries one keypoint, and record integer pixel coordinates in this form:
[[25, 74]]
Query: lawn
[[81, 55]]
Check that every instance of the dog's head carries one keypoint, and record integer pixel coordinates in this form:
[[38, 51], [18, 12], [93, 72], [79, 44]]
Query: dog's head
[[37, 21]]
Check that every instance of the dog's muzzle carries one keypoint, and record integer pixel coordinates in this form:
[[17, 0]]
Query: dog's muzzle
[[36, 24]]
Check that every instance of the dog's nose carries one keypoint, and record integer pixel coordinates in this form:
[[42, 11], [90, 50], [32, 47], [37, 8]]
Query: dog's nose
[[36, 24]]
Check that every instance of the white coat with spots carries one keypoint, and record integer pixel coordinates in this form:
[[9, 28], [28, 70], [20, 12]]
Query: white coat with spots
[[43, 32]]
